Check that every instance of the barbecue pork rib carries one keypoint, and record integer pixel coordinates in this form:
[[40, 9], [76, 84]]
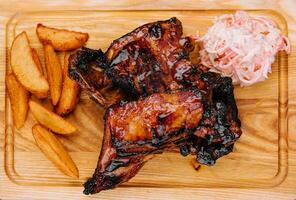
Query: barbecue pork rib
[[153, 60]]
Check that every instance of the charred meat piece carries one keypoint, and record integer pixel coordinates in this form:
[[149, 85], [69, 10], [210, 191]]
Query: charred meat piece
[[86, 67], [220, 125], [136, 130], [151, 58], [199, 123]]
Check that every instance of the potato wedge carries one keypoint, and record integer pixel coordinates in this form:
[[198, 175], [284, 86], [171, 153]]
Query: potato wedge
[[40, 95], [24, 66], [46, 103], [54, 73], [37, 60], [53, 149], [70, 91], [61, 39], [19, 98], [50, 120]]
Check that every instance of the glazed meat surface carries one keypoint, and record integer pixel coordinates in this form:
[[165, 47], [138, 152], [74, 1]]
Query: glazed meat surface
[[151, 58], [220, 125], [136, 130], [171, 102], [201, 124], [86, 68]]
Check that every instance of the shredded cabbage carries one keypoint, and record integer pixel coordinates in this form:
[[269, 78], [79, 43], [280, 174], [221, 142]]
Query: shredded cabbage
[[242, 47]]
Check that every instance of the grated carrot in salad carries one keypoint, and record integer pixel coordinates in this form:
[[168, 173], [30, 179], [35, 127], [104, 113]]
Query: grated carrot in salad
[[242, 47]]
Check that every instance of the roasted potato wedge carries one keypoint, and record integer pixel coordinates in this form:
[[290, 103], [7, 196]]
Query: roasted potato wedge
[[46, 103], [24, 66], [53, 149], [40, 95], [50, 119], [37, 60], [54, 73], [19, 98], [61, 39], [70, 91]]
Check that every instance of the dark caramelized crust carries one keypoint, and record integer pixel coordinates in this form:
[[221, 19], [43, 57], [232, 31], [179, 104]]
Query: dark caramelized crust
[[203, 123], [86, 67], [155, 116], [220, 125], [151, 58], [199, 115], [136, 129]]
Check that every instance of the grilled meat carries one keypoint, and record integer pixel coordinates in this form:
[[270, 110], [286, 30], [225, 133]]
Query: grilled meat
[[152, 58], [86, 67], [136, 130], [180, 106], [198, 123], [220, 125]]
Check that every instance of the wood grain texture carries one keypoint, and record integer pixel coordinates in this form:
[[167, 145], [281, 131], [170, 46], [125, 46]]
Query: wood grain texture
[[286, 190], [256, 103]]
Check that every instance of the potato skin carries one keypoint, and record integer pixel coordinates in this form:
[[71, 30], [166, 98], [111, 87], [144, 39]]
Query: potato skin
[[37, 60], [24, 67], [61, 39], [50, 119], [19, 98], [54, 73], [70, 92], [53, 149], [39, 95]]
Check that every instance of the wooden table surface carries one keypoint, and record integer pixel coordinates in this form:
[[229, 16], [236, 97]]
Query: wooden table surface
[[286, 190]]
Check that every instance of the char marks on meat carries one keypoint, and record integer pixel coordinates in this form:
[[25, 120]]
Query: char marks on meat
[[167, 102], [136, 130], [198, 123], [152, 58], [86, 67]]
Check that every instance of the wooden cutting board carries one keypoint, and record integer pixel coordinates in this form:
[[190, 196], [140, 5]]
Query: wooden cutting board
[[262, 160]]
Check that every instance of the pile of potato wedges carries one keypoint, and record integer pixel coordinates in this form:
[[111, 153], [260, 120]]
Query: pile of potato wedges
[[28, 86]]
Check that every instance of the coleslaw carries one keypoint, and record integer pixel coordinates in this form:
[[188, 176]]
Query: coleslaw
[[242, 47]]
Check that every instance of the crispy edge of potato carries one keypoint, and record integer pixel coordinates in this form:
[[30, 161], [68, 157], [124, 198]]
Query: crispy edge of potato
[[40, 95], [50, 119], [19, 98], [54, 150], [46, 103], [61, 39], [54, 73], [37, 60], [24, 67], [70, 91]]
